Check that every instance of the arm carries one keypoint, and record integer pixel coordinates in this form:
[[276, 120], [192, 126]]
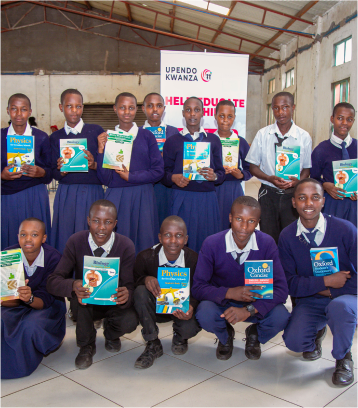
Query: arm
[[140, 270], [169, 156], [55, 154], [126, 273], [243, 151], [217, 164], [277, 181], [104, 175], [43, 172]]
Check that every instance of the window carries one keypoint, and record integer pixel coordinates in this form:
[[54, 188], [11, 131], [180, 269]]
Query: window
[[290, 76], [340, 91], [270, 117], [207, 5], [343, 51], [271, 85]]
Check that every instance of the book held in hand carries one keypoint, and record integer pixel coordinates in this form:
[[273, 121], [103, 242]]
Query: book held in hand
[[118, 150], [175, 287], [324, 261], [159, 133], [20, 151], [196, 156], [230, 149], [260, 273], [345, 175], [287, 162], [100, 276], [12, 273], [72, 152]]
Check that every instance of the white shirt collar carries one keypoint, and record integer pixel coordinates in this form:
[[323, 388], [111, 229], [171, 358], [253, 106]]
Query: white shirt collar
[[28, 130], [320, 226], [232, 136], [147, 125], [196, 135], [132, 131], [75, 130], [163, 260], [107, 246], [336, 141], [231, 245], [291, 132], [39, 261]]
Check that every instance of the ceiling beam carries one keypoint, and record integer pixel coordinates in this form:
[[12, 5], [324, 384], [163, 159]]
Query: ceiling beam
[[172, 21], [222, 25], [87, 3], [129, 13]]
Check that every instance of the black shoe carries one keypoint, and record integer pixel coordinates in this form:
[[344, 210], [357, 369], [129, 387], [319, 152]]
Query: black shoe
[[179, 347], [317, 352], [343, 375], [113, 346], [152, 351], [224, 351], [84, 357], [252, 346]]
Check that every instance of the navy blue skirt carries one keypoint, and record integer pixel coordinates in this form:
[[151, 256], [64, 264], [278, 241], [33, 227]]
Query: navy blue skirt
[[71, 209], [227, 192], [162, 196], [200, 211], [137, 214], [27, 335], [345, 209], [32, 202]]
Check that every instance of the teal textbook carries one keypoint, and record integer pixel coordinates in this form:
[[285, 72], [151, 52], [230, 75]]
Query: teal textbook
[[20, 150], [100, 276], [72, 152], [260, 273], [287, 162], [196, 156], [159, 133], [345, 175], [324, 261], [175, 286], [118, 150]]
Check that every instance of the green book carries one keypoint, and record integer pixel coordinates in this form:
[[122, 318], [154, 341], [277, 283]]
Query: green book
[[230, 148], [12, 273], [118, 150]]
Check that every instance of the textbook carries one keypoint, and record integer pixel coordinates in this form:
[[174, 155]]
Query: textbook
[[230, 153], [71, 150], [260, 273], [324, 261], [118, 150], [12, 273], [159, 133], [345, 175], [196, 156], [287, 162], [20, 150], [175, 287], [100, 276]]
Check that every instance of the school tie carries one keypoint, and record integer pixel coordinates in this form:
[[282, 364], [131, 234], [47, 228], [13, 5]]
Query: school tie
[[238, 257], [345, 154], [280, 140], [98, 252], [311, 237]]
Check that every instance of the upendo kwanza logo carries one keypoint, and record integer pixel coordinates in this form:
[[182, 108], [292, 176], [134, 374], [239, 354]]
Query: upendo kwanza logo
[[206, 75]]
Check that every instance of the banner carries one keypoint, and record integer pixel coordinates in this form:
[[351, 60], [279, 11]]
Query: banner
[[209, 76]]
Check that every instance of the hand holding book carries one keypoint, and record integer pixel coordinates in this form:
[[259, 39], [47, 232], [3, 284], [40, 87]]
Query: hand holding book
[[243, 293], [9, 175], [336, 280], [121, 296], [152, 284], [179, 314]]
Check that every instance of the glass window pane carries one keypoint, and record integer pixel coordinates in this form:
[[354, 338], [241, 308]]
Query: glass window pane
[[273, 85], [340, 54], [292, 76], [337, 93], [348, 55]]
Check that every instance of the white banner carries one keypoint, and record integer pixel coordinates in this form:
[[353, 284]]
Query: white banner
[[209, 76]]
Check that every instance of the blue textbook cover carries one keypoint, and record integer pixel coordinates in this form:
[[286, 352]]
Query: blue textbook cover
[[71, 150], [260, 273], [345, 175], [324, 261], [100, 276], [159, 133], [175, 287], [196, 156], [287, 162], [20, 150]]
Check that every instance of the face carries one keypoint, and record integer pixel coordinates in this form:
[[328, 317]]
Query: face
[[342, 120], [19, 111], [72, 108], [244, 220], [101, 223], [154, 108], [225, 117], [125, 109], [192, 112], [173, 237], [31, 236], [308, 201], [282, 109]]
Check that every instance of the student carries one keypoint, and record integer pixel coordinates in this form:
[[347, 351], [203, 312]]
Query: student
[[33, 325], [170, 252], [76, 191], [340, 146], [132, 190], [275, 193], [320, 300], [153, 108], [24, 193], [194, 201], [231, 187], [219, 283], [100, 240]]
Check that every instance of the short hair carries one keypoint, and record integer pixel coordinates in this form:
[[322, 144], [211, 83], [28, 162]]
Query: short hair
[[103, 203], [174, 218], [224, 103], [69, 92], [288, 94], [33, 219], [19, 96], [308, 180], [32, 121], [152, 93], [126, 94], [343, 105], [194, 97], [246, 200]]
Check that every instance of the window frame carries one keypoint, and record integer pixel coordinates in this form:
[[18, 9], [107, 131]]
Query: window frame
[[269, 110], [334, 85], [271, 81], [290, 71], [344, 54]]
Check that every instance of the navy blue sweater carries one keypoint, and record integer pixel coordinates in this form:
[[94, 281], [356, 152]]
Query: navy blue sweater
[[296, 261], [173, 162], [89, 132], [42, 159]]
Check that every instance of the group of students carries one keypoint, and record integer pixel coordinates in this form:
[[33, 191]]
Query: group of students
[[137, 201]]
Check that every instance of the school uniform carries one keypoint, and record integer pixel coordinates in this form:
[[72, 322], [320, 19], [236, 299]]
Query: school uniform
[[276, 204], [28, 334], [231, 188], [27, 196], [322, 157], [76, 191], [196, 203], [163, 193], [313, 311], [135, 199], [220, 267]]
